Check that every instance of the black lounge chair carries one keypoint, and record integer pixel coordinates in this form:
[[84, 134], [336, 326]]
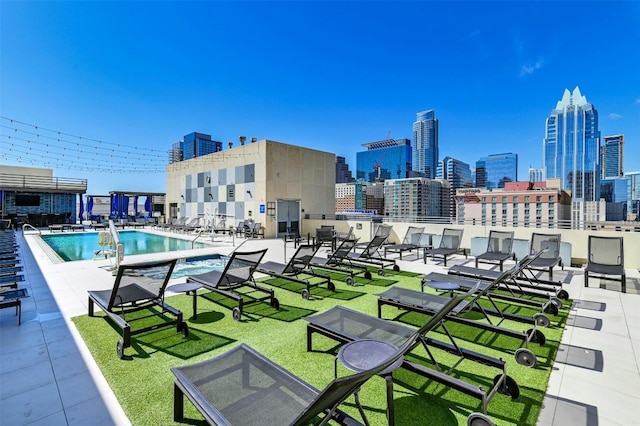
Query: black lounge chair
[[521, 285], [138, 287], [449, 245], [11, 280], [345, 325], [411, 241], [369, 256], [551, 305], [429, 304], [606, 260], [237, 273], [298, 265], [326, 236], [550, 244], [499, 248], [382, 230], [334, 262], [243, 387]]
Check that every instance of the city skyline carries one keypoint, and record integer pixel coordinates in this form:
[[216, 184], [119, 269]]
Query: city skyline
[[259, 69]]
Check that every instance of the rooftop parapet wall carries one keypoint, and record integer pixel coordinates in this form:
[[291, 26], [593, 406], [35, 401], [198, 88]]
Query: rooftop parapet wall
[[16, 182]]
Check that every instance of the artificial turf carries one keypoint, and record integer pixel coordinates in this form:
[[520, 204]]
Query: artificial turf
[[143, 383]]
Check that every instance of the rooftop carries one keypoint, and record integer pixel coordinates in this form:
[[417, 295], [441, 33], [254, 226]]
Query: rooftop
[[49, 377]]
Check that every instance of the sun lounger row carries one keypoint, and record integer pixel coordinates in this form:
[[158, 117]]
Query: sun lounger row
[[10, 293]]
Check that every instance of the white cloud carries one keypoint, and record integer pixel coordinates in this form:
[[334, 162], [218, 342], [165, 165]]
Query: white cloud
[[614, 116], [526, 70]]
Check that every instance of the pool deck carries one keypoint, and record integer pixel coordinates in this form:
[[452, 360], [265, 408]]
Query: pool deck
[[48, 377]]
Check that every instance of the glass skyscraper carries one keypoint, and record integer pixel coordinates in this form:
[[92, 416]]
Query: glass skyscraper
[[570, 146], [458, 174], [612, 156], [387, 159], [495, 170], [425, 143]]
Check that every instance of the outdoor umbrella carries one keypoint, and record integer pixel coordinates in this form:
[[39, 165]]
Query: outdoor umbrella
[[81, 208], [89, 206]]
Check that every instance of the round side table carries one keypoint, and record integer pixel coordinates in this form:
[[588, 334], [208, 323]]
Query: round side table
[[361, 355], [187, 288], [443, 286]]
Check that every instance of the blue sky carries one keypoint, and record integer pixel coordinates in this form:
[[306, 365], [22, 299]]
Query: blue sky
[[324, 75]]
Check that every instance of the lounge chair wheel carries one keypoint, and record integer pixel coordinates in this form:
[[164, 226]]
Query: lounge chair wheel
[[381, 272], [350, 282], [550, 308], [557, 302], [508, 387], [367, 275], [331, 286], [536, 336], [236, 313], [396, 268], [275, 303], [479, 419], [305, 294], [563, 294], [120, 349], [542, 320], [184, 329], [525, 357]]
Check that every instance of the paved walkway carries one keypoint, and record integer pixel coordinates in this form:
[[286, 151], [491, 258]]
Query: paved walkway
[[48, 377]]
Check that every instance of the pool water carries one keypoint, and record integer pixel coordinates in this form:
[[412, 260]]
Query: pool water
[[201, 265], [83, 246]]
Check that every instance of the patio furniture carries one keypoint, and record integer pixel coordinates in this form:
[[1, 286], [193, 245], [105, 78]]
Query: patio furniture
[[551, 257], [298, 265], [449, 245], [13, 298], [243, 387], [606, 260], [411, 241], [345, 325], [138, 287], [237, 274], [428, 304], [499, 248]]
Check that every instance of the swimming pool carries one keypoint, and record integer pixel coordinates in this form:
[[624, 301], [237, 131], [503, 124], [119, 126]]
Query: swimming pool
[[82, 246]]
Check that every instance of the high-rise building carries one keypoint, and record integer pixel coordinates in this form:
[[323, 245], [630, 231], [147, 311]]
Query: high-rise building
[[193, 145], [496, 170], [570, 146], [198, 144], [360, 196], [457, 173], [343, 174], [387, 159], [612, 157], [413, 198], [633, 197], [425, 143]]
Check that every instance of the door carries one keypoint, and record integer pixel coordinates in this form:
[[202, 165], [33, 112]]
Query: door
[[287, 216]]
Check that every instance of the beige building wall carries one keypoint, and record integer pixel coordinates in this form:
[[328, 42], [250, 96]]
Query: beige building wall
[[279, 172]]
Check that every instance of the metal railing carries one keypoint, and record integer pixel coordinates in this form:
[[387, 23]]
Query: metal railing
[[13, 182]]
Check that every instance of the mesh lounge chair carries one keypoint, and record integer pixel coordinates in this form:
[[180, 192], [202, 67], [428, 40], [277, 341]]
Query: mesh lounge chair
[[551, 258], [243, 387], [606, 258], [490, 295], [137, 288], [334, 262], [345, 325], [429, 304], [523, 284], [370, 255], [298, 265], [381, 231], [411, 241], [326, 236], [237, 273], [449, 245], [499, 248]]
